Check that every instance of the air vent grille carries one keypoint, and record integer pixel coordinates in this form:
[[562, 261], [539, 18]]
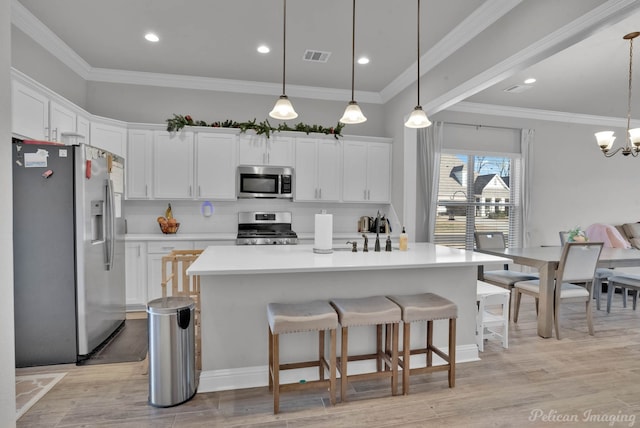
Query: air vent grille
[[516, 89], [316, 56]]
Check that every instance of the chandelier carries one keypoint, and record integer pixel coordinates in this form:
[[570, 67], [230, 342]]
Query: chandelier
[[283, 109], [605, 138]]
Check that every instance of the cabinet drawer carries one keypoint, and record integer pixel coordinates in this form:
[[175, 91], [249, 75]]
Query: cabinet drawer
[[161, 247]]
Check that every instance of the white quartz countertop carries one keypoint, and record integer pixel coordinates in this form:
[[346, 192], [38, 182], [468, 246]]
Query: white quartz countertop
[[257, 259], [180, 236]]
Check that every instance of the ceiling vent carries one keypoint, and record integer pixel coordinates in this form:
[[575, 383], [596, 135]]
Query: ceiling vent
[[516, 89], [316, 56]]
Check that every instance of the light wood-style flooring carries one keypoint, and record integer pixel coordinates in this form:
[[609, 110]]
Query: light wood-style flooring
[[591, 381]]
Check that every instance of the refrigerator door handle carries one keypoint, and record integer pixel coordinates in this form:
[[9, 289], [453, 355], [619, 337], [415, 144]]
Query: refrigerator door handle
[[111, 222]]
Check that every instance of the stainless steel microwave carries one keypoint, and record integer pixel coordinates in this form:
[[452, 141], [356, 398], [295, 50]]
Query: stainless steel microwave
[[265, 182]]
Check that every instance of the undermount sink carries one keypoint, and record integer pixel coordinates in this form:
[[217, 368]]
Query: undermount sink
[[344, 249]]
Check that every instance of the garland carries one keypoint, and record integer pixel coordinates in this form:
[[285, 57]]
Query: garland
[[178, 122]]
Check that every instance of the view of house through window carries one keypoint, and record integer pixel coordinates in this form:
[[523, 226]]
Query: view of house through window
[[476, 193]]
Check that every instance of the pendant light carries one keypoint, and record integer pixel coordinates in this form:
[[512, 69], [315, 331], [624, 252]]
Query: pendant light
[[283, 109], [352, 113], [418, 118]]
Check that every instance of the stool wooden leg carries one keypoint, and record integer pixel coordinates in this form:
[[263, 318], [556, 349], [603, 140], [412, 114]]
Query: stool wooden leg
[[429, 343], [343, 363], [332, 367], [406, 356], [387, 344], [321, 354], [379, 365], [270, 360], [394, 360], [452, 352], [276, 373]]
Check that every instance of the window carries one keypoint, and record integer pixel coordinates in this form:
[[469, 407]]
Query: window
[[487, 199]]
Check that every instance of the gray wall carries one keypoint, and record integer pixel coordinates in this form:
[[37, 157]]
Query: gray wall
[[7, 350], [32, 59]]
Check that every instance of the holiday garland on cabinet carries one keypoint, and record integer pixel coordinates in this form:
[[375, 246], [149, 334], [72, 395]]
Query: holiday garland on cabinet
[[179, 121]]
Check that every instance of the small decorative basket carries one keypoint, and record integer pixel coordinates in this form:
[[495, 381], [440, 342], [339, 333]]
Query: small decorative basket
[[169, 228]]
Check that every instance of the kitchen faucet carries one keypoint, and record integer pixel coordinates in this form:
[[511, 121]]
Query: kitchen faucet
[[366, 243]]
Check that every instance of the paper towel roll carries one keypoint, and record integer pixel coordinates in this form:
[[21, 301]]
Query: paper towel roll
[[323, 238]]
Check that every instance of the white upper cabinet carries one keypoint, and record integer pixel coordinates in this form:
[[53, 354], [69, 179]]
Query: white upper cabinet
[[173, 165], [62, 120], [138, 163], [30, 112], [216, 159], [260, 150], [111, 136], [318, 169], [367, 172], [83, 127]]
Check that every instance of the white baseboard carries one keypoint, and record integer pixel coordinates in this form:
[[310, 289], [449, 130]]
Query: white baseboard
[[251, 377]]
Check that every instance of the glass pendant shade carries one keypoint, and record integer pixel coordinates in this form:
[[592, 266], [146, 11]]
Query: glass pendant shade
[[634, 136], [605, 139], [283, 109], [417, 119], [352, 114]]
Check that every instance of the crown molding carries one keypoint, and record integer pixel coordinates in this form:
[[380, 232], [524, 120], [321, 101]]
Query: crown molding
[[34, 28], [545, 115], [481, 18], [226, 85]]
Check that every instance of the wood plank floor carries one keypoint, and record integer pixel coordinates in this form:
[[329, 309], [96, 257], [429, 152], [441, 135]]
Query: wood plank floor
[[583, 380]]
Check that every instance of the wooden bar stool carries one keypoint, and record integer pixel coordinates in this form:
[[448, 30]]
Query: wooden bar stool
[[426, 307], [300, 317], [378, 311]]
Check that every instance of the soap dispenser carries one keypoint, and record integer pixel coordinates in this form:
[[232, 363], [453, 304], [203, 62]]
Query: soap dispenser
[[403, 240], [387, 246]]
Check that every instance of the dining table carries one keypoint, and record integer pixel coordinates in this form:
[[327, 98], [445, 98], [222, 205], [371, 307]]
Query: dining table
[[545, 260]]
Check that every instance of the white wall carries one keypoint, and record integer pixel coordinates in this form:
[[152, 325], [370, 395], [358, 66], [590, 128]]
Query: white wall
[[7, 350]]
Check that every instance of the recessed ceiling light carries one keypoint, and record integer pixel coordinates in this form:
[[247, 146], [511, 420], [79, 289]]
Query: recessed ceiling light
[[363, 60], [530, 81], [264, 49], [151, 37]]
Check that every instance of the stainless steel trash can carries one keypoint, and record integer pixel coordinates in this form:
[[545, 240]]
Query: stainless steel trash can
[[172, 359]]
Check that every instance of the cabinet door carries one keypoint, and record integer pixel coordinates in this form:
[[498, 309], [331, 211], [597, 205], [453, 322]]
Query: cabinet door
[[61, 120], [280, 151], [30, 113], [252, 150], [354, 171], [109, 137], [136, 275], [329, 167], [138, 163], [216, 161], [306, 182], [173, 165], [83, 127], [379, 172]]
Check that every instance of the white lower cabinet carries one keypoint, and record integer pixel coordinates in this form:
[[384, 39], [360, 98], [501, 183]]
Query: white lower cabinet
[[136, 275]]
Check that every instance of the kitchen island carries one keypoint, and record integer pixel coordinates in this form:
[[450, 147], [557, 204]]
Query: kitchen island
[[237, 283]]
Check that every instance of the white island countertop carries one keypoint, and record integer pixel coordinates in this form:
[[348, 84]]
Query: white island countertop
[[259, 259]]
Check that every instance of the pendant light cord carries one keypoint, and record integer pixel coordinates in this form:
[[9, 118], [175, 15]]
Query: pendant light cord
[[418, 56], [629, 99], [353, 50], [284, 45]]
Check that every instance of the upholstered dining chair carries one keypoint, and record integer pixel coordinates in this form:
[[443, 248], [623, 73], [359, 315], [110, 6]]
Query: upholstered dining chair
[[577, 266], [601, 277], [505, 277]]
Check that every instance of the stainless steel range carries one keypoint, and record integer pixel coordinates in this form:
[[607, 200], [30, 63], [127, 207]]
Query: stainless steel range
[[265, 228]]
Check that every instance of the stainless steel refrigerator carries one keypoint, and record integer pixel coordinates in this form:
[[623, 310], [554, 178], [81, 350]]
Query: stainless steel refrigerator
[[68, 251]]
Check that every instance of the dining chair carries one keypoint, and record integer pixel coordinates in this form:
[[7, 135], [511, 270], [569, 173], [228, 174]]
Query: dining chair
[[601, 277], [504, 278], [577, 265]]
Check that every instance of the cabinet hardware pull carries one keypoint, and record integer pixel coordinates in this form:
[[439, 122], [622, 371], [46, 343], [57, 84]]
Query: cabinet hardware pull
[[320, 193]]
